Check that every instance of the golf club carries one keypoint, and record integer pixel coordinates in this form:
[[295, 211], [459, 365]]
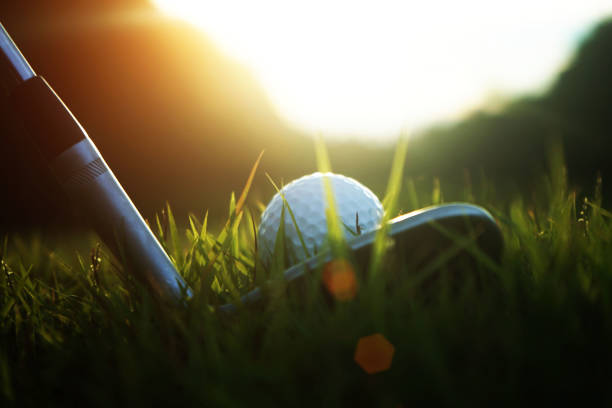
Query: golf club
[[84, 176], [422, 234]]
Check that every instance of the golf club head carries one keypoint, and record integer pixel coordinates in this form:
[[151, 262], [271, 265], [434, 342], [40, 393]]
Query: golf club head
[[417, 238], [61, 143]]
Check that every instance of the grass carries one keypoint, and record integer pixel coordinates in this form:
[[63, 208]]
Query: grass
[[76, 329]]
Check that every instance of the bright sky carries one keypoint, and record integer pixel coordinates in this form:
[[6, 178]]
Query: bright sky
[[374, 68]]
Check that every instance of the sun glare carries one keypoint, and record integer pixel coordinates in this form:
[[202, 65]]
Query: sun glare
[[372, 68]]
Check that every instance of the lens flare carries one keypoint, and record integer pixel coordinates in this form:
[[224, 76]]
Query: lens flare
[[339, 279], [374, 353]]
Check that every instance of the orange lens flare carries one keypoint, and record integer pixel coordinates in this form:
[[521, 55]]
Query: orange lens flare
[[374, 353], [339, 279]]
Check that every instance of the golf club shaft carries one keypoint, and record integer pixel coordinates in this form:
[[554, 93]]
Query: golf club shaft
[[83, 174], [15, 68]]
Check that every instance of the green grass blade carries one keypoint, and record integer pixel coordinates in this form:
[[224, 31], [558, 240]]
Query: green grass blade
[[175, 246], [247, 186], [334, 225], [390, 204], [293, 220], [413, 196]]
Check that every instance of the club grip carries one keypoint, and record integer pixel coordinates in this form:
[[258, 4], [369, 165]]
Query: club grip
[[92, 188]]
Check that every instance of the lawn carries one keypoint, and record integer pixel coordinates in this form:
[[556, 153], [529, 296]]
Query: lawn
[[76, 329]]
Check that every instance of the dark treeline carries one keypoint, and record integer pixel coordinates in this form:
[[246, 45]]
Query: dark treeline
[[511, 146], [179, 121]]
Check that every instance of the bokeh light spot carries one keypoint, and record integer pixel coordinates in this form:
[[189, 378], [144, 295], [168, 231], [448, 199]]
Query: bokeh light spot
[[339, 279], [374, 353]]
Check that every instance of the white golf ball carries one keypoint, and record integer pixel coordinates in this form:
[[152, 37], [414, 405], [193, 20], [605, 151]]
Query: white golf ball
[[358, 208]]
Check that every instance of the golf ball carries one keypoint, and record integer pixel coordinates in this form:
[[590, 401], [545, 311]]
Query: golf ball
[[358, 208]]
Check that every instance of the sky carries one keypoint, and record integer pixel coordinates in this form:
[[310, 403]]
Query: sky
[[374, 69]]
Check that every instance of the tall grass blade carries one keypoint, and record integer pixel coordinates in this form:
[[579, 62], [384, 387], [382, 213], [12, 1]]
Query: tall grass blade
[[247, 186], [175, 245], [390, 204], [293, 220], [334, 225]]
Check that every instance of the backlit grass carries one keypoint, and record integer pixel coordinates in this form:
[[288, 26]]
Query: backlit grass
[[77, 329]]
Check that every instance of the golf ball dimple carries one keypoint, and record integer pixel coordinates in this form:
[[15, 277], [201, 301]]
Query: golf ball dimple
[[306, 199]]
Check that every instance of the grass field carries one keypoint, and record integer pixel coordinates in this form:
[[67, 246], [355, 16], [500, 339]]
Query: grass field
[[76, 329]]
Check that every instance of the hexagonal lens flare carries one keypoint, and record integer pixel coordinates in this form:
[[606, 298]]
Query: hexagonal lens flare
[[374, 353]]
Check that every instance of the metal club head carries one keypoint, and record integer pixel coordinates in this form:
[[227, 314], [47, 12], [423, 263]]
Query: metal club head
[[418, 237]]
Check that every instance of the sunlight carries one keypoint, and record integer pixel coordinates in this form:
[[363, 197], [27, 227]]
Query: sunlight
[[368, 69]]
